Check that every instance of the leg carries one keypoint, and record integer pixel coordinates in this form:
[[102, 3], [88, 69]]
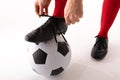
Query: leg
[[59, 8], [109, 12]]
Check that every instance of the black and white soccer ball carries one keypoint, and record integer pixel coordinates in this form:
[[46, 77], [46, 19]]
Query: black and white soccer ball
[[50, 58]]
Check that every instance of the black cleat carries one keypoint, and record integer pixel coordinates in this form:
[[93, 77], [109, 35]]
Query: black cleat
[[100, 48], [45, 32]]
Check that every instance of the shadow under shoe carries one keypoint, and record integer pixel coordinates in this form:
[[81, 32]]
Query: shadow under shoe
[[45, 32], [100, 48]]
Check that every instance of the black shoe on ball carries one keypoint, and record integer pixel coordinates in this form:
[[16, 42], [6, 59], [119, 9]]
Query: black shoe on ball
[[45, 32]]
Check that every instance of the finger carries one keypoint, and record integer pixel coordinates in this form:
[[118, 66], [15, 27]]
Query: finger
[[37, 9], [76, 18], [80, 15], [40, 10], [46, 11], [72, 22], [72, 19], [67, 21]]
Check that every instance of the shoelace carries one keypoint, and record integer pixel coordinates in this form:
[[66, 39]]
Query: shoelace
[[54, 29]]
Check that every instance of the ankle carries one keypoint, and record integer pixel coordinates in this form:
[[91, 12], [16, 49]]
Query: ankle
[[103, 37]]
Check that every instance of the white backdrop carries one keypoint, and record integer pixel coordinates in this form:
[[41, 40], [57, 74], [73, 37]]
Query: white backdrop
[[17, 18]]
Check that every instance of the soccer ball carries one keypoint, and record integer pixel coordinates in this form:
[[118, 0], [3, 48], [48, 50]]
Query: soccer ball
[[50, 58]]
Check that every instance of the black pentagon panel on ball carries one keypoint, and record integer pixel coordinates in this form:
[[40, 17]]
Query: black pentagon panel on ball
[[62, 48], [57, 71], [39, 57]]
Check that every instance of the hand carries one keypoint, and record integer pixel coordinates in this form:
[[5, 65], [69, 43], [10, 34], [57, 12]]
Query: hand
[[41, 6], [73, 11]]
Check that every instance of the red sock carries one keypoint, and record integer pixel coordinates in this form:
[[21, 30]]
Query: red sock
[[59, 8], [109, 11]]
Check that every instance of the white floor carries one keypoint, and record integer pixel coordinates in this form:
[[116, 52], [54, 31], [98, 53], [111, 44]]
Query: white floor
[[17, 18]]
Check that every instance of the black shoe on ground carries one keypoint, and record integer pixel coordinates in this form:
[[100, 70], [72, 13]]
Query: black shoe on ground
[[45, 32], [100, 48]]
